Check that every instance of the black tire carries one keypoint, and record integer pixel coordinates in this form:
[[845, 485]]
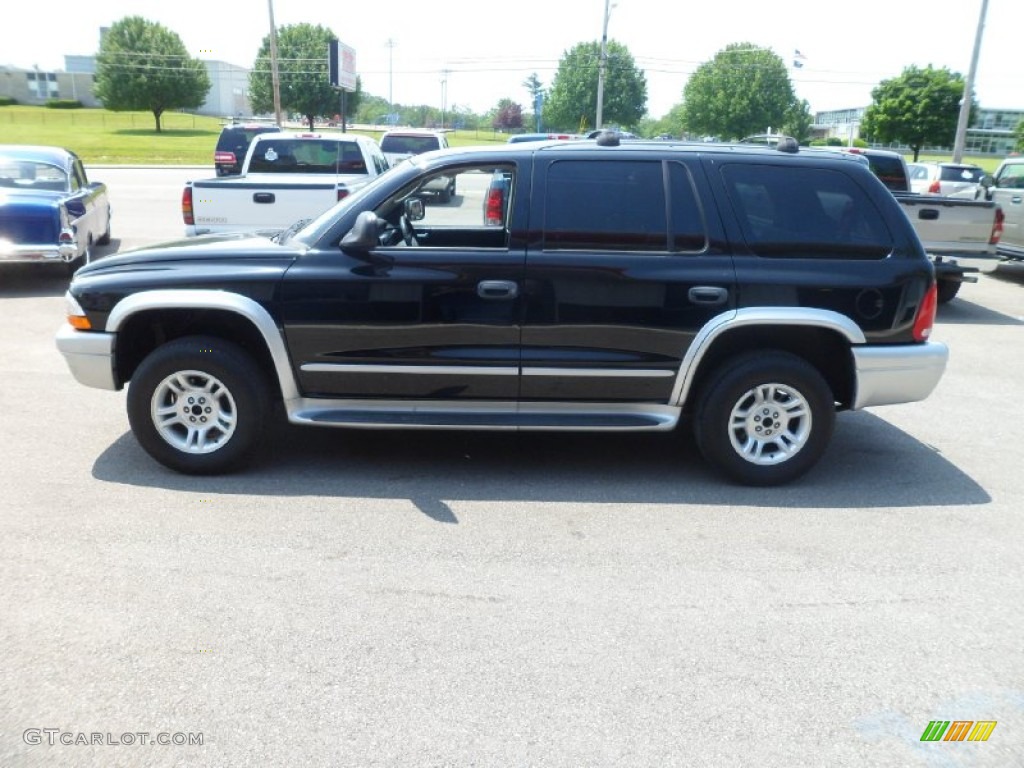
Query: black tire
[[445, 195], [787, 444], [177, 377], [948, 289]]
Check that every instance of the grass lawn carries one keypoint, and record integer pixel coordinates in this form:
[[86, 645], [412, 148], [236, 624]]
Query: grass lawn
[[101, 137]]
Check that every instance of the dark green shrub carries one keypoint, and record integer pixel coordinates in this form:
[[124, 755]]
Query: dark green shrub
[[7, 101], [63, 104]]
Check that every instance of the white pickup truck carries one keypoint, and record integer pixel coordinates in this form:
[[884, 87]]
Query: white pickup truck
[[949, 228], [1007, 191], [286, 177]]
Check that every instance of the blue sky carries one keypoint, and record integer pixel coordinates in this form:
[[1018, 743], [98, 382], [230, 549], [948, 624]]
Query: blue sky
[[488, 50]]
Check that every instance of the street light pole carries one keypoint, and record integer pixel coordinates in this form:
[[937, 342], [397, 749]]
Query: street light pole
[[275, 77], [965, 102], [391, 104], [601, 65], [444, 93]]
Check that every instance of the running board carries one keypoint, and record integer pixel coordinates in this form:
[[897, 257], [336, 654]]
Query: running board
[[490, 416]]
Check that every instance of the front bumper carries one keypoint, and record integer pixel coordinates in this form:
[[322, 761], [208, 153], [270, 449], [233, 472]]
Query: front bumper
[[903, 373], [90, 356]]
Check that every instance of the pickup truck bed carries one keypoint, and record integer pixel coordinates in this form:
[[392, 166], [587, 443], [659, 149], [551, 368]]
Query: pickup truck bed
[[286, 177]]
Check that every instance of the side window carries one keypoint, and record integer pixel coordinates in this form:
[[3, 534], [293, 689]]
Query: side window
[[688, 231], [464, 207], [805, 213], [613, 205], [1012, 177]]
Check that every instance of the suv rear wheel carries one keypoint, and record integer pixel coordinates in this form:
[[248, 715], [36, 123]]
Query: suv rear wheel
[[197, 405], [764, 418]]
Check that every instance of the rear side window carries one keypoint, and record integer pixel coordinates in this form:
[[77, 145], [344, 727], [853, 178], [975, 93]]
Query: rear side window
[[628, 205], [805, 213]]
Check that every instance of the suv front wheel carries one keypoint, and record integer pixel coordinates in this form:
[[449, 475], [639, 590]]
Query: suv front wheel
[[197, 405], [764, 418]]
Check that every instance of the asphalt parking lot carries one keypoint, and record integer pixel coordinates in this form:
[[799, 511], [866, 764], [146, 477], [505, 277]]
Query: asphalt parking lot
[[371, 598]]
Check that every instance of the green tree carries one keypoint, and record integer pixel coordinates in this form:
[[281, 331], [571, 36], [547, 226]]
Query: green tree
[[798, 121], [1019, 134], [744, 89], [143, 65], [919, 108], [302, 73], [508, 116], [572, 100]]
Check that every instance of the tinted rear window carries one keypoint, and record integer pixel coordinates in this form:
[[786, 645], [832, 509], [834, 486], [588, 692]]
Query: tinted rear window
[[409, 144], [890, 171], [964, 173]]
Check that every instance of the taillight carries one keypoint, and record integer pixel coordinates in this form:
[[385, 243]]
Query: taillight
[[926, 314], [934, 188], [342, 193], [186, 206], [494, 207], [224, 157], [997, 226]]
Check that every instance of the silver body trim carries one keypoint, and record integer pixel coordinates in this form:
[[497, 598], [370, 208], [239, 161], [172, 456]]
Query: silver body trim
[[602, 372], [305, 410], [429, 370], [89, 355], [472, 370], [903, 373], [728, 321]]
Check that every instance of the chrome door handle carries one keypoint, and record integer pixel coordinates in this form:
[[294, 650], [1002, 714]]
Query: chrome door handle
[[497, 289]]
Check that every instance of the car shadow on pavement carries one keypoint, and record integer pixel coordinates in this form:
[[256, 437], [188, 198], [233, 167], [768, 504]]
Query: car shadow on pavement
[[37, 280], [25, 281], [963, 311], [870, 463]]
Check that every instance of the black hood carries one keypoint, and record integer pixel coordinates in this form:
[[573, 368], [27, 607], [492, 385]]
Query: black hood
[[228, 247]]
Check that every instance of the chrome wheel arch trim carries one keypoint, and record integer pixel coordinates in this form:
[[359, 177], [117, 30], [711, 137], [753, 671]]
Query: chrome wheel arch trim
[[756, 316], [223, 300]]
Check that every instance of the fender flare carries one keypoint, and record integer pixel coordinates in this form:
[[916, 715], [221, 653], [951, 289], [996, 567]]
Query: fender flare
[[721, 324], [251, 310]]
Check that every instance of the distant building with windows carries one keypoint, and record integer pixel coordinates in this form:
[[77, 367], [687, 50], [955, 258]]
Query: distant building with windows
[[228, 96], [991, 133]]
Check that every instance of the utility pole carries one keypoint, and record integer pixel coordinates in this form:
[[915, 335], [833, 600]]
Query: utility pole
[[391, 104], [601, 66], [444, 93], [965, 102], [275, 77]]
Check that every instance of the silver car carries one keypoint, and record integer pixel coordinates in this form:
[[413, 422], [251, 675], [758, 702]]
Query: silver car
[[945, 179]]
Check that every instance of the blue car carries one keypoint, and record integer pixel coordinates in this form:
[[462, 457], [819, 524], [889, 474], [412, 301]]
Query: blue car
[[49, 211]]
